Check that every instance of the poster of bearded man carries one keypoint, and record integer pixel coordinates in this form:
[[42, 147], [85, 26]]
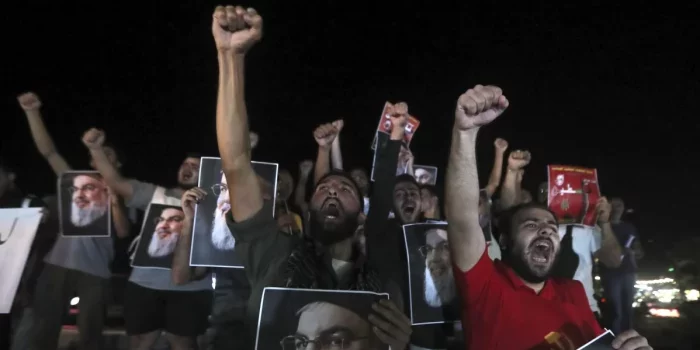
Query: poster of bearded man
[[212, 241], [84, 208], [433, 294], [161, 228]]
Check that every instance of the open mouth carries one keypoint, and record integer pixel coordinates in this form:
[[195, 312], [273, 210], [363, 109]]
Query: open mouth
[[541, 250], [81, 203], [331, 210], [187, 176], [408, 209]]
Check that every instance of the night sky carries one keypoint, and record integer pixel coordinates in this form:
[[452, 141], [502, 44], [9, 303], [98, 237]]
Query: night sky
[[605, 87]]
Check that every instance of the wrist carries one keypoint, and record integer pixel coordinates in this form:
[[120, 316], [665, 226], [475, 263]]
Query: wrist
[[324, 148], [397, 134]]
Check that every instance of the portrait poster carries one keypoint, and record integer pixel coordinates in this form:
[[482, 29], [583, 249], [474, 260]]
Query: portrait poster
[[17, 230], [385, 126], [84, 207], [212, 241], [401, 165], [425, 174], [289, 318], [162, 225], [573, 193], [433, 297]]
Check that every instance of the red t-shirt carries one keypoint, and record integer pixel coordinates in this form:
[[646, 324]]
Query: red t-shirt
[[500, 312]]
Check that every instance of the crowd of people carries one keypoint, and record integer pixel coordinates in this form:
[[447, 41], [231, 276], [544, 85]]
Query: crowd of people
[[515, 285]]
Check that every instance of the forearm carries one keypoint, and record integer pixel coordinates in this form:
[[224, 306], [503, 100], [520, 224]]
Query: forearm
[[120, 218], [323, 165], [233, 139], [336, 155], [44, 143], [409, 169], [610, 253], [496, 171], [510, 190], [111, 176], [181, 272], [464, 233]]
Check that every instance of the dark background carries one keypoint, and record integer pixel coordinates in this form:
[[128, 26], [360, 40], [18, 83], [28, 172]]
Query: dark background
[[609, 87], [278, 317], [141, 258], [102, 227]]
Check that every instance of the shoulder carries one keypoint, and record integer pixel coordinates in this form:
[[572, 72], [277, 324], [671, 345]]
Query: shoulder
[[570, 289]]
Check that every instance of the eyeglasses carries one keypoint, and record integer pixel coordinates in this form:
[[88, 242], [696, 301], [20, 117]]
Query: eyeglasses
[[332, 342], [86, 188], [218, 188], [170, 220], [440, 249]]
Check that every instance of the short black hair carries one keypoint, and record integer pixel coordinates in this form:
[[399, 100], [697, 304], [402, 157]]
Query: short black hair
[[345, 175], [196, 155], [505, 220], [431, 189], [405, 178]]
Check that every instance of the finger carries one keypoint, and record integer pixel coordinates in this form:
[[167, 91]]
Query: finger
[[388, 303], [240, 22], [220, 17], [496, 91], [503, 102], [478, 100], [487, 94], [470, 106], [396, 320], [387, 327], [634, 343], [623, 337], [200, 191], [383, 337], [253, 19], [231, 18]]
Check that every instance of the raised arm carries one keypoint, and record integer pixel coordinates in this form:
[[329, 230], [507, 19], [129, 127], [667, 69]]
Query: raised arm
[[181, 271], [500, 146], [610, 252], [336, 155], [236, 30], [305, 168], [31, 104], [94, 140], [475, 108], [324, 135], [510, 190], [120, 216]]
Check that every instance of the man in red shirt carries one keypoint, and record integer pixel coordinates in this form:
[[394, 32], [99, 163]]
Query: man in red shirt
[[511, 304]]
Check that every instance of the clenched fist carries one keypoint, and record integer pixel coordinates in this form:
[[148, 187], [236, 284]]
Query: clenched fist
[[501, 144], [190, 199], [29, 101], [305, 167], [518, 159], [479, 106], [236, 29], [94, 138], [325, 134]]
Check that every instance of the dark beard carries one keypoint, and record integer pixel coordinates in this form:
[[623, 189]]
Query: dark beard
[[523, 270], [328, 234]]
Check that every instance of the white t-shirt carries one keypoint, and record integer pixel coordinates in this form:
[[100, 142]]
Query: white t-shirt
[[585, 242]]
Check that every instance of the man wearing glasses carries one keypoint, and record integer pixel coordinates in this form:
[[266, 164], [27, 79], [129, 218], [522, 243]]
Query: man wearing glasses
[[90, 200], [168, 228], [438, 285], [330, 326]]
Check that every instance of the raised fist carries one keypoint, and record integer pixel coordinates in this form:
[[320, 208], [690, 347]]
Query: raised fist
[[94, 138], [305, 167], [518, 159], [254, 138], [325, 134], [479, 106], [29, 101], [339, 125], [236, 29], [603, 208], [399, 116], [501, 144]]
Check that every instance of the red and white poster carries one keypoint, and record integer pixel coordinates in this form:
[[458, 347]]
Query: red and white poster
[[573, 194], [385, 126]]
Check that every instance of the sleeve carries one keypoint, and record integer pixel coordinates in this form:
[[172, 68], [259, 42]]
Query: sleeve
[[473, 285], [259, 243], [596, 239], [381, 243], [579, 298], [142, 193]]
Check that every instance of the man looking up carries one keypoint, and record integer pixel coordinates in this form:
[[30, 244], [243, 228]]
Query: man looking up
[[520, 284], [271, 257]]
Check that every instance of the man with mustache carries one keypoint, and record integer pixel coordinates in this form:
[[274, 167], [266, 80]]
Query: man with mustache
[[167, 231], [439, 288], [89, 200], [521, 284], [152, 302], [325, 259]]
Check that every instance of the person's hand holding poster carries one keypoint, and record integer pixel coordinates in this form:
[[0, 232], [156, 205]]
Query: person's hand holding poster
[[161, 228], [433, 292], [385, 123], [573, 193], [84, 205], [17, 230], [292, 319], [212, 241]]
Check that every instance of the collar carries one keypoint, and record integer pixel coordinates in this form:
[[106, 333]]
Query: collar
[[547, 291]]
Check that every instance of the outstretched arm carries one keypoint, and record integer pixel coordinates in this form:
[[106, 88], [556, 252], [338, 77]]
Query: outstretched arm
[[336, 155], [511, 188], [94, 140], [475, 108], [324, 135], [31, 105], [235, 30], [500, 146]]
